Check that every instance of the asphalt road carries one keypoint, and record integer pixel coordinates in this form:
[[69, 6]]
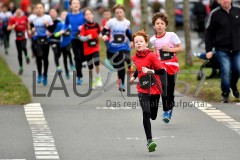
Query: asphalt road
[[108, 126]]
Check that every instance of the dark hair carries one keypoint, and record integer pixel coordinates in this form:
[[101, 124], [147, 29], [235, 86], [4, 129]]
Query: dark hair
[[161, 16], [87, 9], [141, 33], [70, 2], [118, 6], [106, 10], [39, 3]]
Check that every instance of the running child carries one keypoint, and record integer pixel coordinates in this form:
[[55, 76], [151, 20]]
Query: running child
[[118, 49], [166, 46], [41, 23], [148, 70], [20, 24], [106, 17], [65, 45], [5, 15], [55, 41], [89, 33], [74, 19]]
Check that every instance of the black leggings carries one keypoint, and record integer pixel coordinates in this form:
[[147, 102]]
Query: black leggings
[[33, 48], [56, 51], [66, 51], [6, 36], [149, 104], [77, 47], [168, 82], [42, 52], [128, 59], [117, 60], [21, 46], [93, 58]]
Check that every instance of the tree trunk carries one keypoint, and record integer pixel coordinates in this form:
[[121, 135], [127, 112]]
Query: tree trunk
[[127, 5], [170, 10], [144, 16], [186, 26], [111, 4]]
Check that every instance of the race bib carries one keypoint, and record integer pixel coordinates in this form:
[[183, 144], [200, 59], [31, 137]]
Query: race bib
[[146, 81], [166, 55], [42, 40], [20, 34], [118, 38], [92, 43]]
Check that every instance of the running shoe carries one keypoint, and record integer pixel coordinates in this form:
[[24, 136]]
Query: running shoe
[[20, 71], [59, 69], [45, 81], [67, 75], [109, 65], [72, 67], [40, 78], [79, 81], [93, 84], [151, 146], [27, 60], [166, 117], [99, 81]]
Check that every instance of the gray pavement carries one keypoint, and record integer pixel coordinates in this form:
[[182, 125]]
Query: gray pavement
[[97, 129]]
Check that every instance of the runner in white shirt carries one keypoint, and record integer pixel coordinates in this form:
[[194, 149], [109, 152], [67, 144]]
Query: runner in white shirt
[[5, 16], [166, 45], [41, 23]]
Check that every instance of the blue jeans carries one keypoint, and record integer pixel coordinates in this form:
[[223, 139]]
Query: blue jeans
[[230, 69]]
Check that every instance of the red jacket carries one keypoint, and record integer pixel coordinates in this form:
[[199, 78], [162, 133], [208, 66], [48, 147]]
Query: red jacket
[[21, 26], [94, 30], [147, 58]]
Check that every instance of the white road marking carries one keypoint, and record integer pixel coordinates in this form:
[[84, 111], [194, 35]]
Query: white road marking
[[220, 116], [115, 108], [43, 141], [47, 157], [143, 139]]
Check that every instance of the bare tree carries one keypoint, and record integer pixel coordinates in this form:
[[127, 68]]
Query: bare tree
[[144, 16], [127, 5], [186, 26], [111, 3], [170, 10]]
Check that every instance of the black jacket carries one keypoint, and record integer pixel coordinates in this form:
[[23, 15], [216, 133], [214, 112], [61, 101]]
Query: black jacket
[[223, 30]]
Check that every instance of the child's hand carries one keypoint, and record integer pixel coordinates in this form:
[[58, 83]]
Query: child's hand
[[132, 80], [209, 55], [61, 32], [105, 38], [146, 70], [33, 29], [89, 36], [131, 45], [45, 22], [13, 26], [166, 48]]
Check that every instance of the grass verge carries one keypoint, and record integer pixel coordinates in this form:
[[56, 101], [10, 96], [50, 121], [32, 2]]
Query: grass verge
[[12, 90]]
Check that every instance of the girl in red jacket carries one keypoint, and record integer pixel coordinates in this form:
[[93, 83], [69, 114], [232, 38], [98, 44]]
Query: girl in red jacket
[[149, 87]]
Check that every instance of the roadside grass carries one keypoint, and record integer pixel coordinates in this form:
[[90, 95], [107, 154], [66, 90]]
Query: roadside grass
[[12, 89]]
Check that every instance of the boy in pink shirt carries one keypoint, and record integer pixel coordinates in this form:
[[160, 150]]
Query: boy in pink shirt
[[166, 45]]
